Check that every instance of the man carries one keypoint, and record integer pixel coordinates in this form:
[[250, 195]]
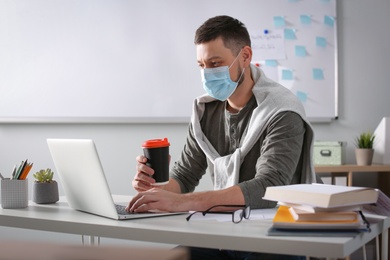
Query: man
[[248, 132]]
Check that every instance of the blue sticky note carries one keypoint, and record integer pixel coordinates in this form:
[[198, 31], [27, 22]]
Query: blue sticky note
[[305, 19], [300, 51], [329, 20], [320, 41], [302, 96], [279, 21], [287, 75], [318, 74], [271, 63], [289, 34]]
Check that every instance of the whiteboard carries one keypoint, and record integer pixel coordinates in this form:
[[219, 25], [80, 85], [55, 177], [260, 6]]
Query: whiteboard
[[135, 61]]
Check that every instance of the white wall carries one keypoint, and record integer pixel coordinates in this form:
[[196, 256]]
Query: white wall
[[364, 91]]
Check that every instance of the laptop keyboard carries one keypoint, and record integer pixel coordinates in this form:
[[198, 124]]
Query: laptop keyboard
[[122, 210]]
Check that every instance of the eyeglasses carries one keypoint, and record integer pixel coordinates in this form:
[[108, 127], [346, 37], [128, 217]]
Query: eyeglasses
[[237, 215]]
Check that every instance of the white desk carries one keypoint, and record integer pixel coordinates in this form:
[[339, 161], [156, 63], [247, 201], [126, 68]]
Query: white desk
[[246, 236]]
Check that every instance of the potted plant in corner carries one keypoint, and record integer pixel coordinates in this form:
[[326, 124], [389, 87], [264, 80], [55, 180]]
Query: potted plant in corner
[[364, 148], [45, 189]]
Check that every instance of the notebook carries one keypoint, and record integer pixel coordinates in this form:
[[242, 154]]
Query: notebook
[[84, 182]]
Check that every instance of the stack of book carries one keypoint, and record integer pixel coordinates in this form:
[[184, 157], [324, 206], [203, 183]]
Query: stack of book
[[320, 207]]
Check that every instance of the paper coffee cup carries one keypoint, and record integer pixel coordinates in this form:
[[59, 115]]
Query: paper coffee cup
[[157, 153]]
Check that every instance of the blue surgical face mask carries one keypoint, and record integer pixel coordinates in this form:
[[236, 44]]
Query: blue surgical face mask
[[217, 81]]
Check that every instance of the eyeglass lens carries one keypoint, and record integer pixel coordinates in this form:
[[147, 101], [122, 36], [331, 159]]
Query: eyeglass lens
[[241, 213], [247, 212], [237, 215]]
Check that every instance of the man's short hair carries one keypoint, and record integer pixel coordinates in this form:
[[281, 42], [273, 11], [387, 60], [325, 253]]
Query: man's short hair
[[234, 34]]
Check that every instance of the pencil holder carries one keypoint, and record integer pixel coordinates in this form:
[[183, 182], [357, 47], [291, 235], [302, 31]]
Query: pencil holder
[[14, 194]]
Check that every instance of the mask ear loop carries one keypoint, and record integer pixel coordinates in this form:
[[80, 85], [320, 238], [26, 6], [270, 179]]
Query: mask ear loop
[[243, 70], [242, 73], [235, 59]]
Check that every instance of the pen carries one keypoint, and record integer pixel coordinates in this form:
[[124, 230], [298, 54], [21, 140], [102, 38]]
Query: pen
[[13, 172], [25, 172], [21, 168]]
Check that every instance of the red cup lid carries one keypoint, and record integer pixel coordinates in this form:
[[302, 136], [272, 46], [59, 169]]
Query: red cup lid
[[156, 143]]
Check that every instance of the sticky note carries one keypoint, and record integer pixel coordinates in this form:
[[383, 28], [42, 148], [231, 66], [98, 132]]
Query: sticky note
[[289, 34], [300, 51], [293, 1], [279, 21], [318, 74], [329, 20], [287, 75], [305, 19], [302, 96], [320, 41], [271, 63]]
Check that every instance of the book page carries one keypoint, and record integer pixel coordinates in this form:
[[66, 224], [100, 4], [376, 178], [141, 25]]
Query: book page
[[382, 206]]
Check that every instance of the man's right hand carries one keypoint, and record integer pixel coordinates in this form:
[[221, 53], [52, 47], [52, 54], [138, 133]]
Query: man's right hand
[[143, 178]]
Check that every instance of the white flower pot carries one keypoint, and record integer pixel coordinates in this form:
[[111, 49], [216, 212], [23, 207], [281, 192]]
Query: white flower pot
[[364, 156]]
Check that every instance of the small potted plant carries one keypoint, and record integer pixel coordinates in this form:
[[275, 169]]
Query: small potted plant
[[45, 189], [364, 148]]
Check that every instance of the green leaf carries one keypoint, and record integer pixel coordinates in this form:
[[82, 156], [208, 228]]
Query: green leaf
[[44, 175], [365, 140]]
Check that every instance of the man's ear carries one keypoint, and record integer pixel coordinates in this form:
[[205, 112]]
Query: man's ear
[[247, 55]]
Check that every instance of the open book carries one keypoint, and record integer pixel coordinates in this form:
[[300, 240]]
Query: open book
[[321, 195]]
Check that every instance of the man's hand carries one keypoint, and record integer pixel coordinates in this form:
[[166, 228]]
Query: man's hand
[[171, 201], [142, 180], [158, 199]]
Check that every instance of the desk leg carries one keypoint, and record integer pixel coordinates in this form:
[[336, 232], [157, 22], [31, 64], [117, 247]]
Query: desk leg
[[378, 254], [333, 178], [92, 240], [385, 237], [349, 180]]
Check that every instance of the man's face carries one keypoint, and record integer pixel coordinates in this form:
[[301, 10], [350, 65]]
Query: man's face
[[214, 54]]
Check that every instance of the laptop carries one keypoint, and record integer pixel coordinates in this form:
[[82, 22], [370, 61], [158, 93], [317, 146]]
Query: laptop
[[84, 182]]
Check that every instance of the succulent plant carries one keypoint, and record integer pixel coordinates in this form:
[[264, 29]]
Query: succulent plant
[[44, 175], [365, 140]]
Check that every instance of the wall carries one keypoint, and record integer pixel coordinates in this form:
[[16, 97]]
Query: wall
[[364, 99]]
